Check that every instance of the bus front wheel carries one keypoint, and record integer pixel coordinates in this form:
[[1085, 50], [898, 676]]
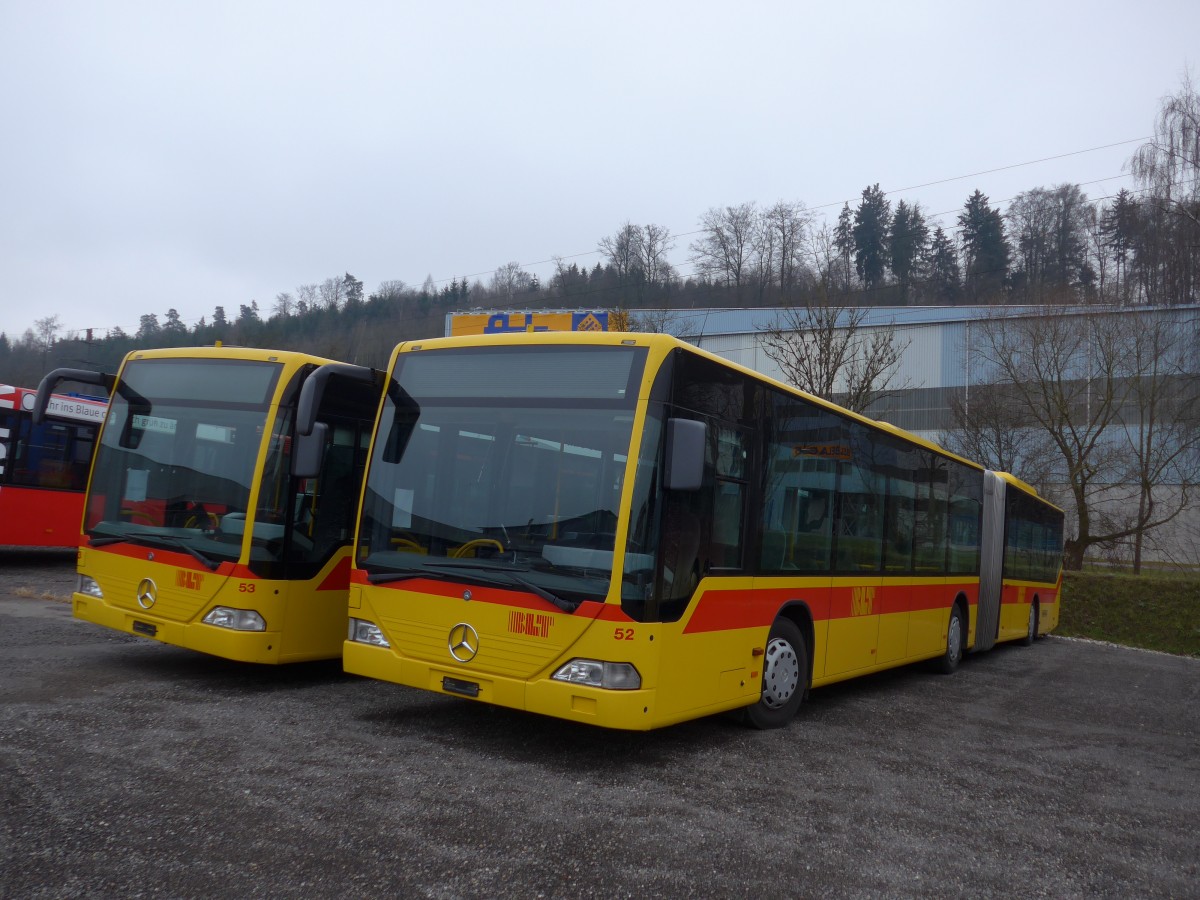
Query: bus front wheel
[[784, 677]]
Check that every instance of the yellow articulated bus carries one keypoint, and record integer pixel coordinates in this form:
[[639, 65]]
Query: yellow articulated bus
[[221, 504], [622, 530]]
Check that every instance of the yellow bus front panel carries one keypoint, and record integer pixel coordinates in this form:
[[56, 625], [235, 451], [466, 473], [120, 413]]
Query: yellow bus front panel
[[166, 596]]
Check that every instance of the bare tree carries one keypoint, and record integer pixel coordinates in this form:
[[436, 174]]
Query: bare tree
[[653, 248], [665, 321], [332, 293], [637, 257], [623, 254], [1169, 164], [725, 250], [47, 330], [392, 291], [509, 280], [1049, 230], [285, 304], [991, 428], [828, 350], [1162, 427], [791, 223], [1081, 381], [306, 298]]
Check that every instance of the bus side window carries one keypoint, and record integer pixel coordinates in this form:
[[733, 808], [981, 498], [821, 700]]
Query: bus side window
[[799, 478], [729, 496]]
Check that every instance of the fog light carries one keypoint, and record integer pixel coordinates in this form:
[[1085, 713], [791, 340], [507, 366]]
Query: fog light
[[594, 673], [90, 587], [364, 632], [236, 619]]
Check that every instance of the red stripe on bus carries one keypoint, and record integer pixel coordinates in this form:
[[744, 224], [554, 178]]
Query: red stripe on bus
[[339, 577], [176, 558], [517, 599], [726, 610]]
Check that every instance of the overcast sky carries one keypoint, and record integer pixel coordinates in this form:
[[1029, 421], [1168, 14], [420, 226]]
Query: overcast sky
[[190, 155]]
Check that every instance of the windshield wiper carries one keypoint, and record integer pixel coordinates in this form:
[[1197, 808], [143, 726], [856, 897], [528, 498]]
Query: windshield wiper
[[147, 540], [105, 540], [473, 572], [402, 575], [567, 606], [509, 572]]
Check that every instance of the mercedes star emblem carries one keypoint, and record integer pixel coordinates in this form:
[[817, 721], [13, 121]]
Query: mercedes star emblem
[[464, 642], [147, 593]]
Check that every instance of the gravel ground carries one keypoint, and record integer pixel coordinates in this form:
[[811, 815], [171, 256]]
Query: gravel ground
[[133, 769]]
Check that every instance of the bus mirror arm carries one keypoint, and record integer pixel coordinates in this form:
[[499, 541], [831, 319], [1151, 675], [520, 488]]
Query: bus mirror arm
[[54, 379], [313, 390], [686, 439], [310, 451]]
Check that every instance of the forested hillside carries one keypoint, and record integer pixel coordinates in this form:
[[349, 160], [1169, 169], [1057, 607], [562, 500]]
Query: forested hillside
[[1056, 244]]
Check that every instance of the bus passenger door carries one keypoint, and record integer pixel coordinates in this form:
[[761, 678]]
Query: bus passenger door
[[703, 588]]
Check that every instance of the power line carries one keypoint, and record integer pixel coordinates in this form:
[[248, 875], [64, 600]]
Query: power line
[[558, 257]]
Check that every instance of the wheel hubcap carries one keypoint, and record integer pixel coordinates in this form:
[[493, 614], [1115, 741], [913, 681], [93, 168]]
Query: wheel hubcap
[[781, 673], [954, 638]]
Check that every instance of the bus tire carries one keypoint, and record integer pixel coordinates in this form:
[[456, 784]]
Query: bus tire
[[956, 640], [784, 677], [1031, 632]]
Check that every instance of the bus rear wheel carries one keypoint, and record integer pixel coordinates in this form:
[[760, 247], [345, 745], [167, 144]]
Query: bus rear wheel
[[784, 677], [956, 639], [1031, 631]]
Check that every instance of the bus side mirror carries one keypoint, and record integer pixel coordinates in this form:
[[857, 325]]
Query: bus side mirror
[[309, 451], [313, 390], [52, 380], [686, 439]]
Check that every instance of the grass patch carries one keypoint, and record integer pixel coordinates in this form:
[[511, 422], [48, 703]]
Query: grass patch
[[1154, 612]]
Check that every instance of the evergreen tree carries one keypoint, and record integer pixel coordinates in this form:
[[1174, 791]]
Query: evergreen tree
[[843, 242], [148, 328], [353, 289], [1118, 230], [872, 222], [986, 251], [174, 325], [909, 240], [944, 282], [248, 315], [219, 321]]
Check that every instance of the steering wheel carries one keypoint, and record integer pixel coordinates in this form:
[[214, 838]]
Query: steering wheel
[[197, 522], [472, 546]]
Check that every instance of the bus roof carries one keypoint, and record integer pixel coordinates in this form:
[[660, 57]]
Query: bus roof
[[663, 343], [291, 357]]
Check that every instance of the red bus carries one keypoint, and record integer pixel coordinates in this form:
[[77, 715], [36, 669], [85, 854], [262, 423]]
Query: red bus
[[44, 467]]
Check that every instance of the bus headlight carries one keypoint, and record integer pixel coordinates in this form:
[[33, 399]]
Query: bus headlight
[[90, 587], [594, 673], [236, 619], [364, 632]]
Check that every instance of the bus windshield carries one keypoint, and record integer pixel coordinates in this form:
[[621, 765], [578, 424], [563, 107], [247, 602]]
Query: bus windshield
[[175, 465], [502, 469]]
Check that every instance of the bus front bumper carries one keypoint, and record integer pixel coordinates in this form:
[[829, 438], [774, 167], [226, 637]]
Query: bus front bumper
[[632, 710], [242, 646]]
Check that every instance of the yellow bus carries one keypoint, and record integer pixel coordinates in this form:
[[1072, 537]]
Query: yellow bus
[[623, 530], [221, 502]]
